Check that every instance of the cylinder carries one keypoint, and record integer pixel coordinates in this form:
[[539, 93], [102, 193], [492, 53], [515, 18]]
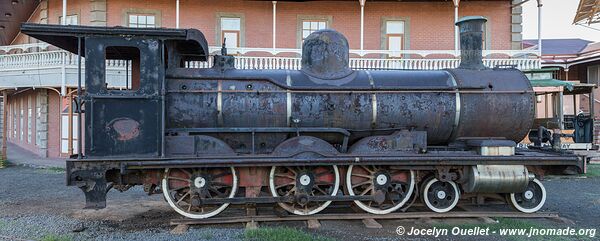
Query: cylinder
[[497, 179]]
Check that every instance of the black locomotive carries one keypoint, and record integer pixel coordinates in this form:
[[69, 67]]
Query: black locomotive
[[210, 137]]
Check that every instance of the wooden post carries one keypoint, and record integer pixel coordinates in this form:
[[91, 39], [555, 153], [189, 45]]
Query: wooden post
[[575, 105], [546, 105], [593, 115], [70, 126], [559, 110]]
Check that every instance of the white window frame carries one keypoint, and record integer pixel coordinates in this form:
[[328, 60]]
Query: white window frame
[[64, 133], [72, 19], [139, 16], [237, 31], [401, 34], [320, 25]]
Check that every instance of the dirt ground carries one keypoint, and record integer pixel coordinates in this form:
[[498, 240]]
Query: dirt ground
[[36, 204]]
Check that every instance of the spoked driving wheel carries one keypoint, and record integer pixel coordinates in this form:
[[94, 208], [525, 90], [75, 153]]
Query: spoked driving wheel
[[186, 189], [302, 183], [440, 196], [531, 200], [392, 186]]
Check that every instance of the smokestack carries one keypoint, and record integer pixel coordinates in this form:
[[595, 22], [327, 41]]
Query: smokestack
[[471, 42]]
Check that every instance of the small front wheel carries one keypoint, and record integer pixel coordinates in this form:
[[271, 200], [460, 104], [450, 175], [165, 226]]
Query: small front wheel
[[531, 200], [440, 196]]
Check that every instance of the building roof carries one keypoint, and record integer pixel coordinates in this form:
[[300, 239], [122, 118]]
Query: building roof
[[591, 48], [588, 12], [560, 46], [566, 52], [13, 13]]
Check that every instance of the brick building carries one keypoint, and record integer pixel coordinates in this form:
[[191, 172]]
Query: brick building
[[575, 61], [39, 80]]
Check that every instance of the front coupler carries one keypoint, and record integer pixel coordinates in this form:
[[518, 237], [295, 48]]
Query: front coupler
[[93, 184]]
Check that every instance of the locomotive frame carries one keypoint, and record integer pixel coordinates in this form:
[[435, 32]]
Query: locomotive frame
[[144, 136]]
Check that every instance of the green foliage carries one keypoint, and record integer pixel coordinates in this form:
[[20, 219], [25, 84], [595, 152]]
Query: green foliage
[[593, 170], [281, 234], [53, 237], [51, 170]]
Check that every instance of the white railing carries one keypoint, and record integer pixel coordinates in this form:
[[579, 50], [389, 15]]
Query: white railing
[[34, 47], [363, 53], [41, 47], [46, 59], [34, 60], [37, 60], [247, 62]]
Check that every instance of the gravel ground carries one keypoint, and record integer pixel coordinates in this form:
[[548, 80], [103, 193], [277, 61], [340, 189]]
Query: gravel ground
[[36, 204]]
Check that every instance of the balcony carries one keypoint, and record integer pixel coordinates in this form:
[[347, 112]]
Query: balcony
[[37, 65]]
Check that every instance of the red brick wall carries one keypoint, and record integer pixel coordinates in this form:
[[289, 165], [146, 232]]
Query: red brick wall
[[431, 23], [80, 7], [203, 16], [115, 10], [498, 14], [22, 38]]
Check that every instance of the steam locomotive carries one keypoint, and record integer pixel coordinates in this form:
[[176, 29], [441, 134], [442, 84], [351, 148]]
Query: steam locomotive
[[301, 139]]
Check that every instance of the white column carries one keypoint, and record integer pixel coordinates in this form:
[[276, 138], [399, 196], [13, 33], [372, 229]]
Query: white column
[[456, 34], [362, 24], [63, 74], [539, 5], [177, 14], [63, 71], [64, 13], [274, 24]]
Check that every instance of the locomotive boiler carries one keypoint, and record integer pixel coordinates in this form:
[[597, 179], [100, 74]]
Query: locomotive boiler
[[207, 138]]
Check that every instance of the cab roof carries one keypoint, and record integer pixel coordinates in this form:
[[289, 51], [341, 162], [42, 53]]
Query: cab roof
[[191, 41]]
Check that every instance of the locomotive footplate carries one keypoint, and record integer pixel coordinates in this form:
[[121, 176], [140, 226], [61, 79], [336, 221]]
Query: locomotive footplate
[[411, 161], [408, 161]]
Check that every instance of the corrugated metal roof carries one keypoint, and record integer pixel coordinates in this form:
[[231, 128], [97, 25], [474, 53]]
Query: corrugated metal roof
[[591, 48], [560, 46]]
